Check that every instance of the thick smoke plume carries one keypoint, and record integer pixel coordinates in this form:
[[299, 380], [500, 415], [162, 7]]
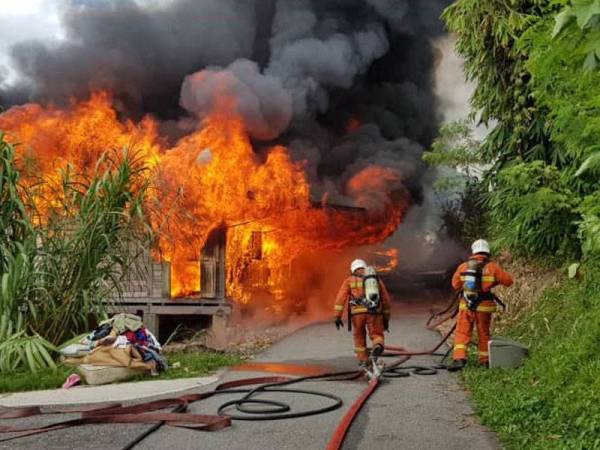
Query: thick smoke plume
[[260, 100], [344, 84]]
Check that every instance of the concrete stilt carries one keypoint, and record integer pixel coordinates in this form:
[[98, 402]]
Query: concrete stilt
[[151, 322], [218, 330]]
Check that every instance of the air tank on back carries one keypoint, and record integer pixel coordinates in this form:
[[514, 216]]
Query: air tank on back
[[371, 285]]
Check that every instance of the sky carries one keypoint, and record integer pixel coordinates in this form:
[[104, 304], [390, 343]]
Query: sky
[[22, 20]]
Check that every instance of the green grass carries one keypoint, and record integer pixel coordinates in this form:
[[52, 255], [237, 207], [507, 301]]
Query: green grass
[[196, 364], [27, 381], [190, 365], [553, 400]]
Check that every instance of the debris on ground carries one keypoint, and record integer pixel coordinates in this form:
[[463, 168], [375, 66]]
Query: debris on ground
[[120, 348], [243, 341]]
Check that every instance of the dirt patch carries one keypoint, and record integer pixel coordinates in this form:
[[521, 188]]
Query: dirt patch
[[531, 280], [245, 342]]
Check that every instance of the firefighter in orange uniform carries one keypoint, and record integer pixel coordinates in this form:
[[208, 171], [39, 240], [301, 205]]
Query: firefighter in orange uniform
[[475, 278], [365, 315]]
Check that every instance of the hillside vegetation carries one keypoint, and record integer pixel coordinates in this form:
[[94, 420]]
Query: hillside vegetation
[[553, 400], [536, 65]]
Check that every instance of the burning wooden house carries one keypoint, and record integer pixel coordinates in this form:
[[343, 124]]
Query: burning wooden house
[[230, 221], [153, 290], [159, 289]]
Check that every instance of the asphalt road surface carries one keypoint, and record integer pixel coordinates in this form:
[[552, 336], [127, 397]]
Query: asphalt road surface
[[417, 412]]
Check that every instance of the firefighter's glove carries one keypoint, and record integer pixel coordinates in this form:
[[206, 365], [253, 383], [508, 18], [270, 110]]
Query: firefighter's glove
[[338, 323], [386, 325]]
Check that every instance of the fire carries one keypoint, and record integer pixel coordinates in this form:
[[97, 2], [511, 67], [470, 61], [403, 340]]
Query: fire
[[185, 278], [208, 179], [391, 256], [78, 134]]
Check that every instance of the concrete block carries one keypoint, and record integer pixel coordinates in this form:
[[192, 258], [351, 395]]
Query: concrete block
[[506, 353], [218, 330]]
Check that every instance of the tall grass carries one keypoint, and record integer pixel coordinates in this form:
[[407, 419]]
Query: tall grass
[[64, 248]]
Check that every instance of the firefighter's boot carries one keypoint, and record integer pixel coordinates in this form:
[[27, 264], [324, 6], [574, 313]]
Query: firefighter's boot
[[377, 351], [457, 364]]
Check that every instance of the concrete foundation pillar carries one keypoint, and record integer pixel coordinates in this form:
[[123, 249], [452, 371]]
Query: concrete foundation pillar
[[218, 329], [151, 322]]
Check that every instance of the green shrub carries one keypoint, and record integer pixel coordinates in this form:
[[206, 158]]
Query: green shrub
[[553, 400], [63, 250], [536, 65], [589, 225], [532, 212]]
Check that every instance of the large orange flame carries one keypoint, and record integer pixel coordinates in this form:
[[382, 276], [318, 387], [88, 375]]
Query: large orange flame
[[211, 177]]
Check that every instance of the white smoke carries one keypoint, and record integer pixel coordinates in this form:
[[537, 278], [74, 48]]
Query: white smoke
[[452, 88]]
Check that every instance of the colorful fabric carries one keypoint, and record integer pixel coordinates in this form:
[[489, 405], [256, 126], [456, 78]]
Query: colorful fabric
[[124, 322], [138, 337]]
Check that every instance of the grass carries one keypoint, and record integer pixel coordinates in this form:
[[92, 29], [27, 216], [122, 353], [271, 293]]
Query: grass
[[27, 381], [190, 365], [196, 364], [553, 400]]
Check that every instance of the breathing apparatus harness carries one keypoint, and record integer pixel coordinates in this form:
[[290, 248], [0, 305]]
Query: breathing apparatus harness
[[473, 276], [371, 296]]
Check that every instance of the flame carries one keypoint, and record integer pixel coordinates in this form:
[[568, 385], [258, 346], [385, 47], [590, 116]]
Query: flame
[[185, 278], [209, 179], [78, 134], [392, 258]]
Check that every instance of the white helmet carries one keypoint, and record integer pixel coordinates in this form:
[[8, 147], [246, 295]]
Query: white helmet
[[480, 246], [357, 264]]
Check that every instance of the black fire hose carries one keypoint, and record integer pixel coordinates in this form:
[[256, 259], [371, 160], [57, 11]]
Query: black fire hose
[[274, 410], [278, 410]]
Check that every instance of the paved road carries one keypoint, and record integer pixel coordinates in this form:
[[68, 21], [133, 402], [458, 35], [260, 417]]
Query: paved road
[[419, 412]]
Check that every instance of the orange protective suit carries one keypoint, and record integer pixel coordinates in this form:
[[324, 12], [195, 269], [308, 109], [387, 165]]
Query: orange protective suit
[[492, 275], [362, 319]]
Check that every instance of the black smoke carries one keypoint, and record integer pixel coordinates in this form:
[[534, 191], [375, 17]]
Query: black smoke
[[303, 72]]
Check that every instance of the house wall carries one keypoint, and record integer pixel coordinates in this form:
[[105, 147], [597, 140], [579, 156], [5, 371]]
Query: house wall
[[146, 290]]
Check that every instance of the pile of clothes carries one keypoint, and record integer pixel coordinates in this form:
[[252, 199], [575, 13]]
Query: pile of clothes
[[121, 341]]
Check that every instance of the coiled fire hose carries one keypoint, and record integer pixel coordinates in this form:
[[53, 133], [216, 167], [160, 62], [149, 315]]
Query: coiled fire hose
[[261, 409]]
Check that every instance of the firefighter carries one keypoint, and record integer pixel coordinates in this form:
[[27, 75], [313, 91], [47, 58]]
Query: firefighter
[[476, 278], [367, 310]]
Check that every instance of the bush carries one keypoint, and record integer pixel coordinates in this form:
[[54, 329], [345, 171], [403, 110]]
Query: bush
[[536, 65], [589, 225], [532, 212], [63, 248]]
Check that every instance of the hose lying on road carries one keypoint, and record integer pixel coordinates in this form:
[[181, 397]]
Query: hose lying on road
[[395, 370], [340, 432], [249, 407]]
